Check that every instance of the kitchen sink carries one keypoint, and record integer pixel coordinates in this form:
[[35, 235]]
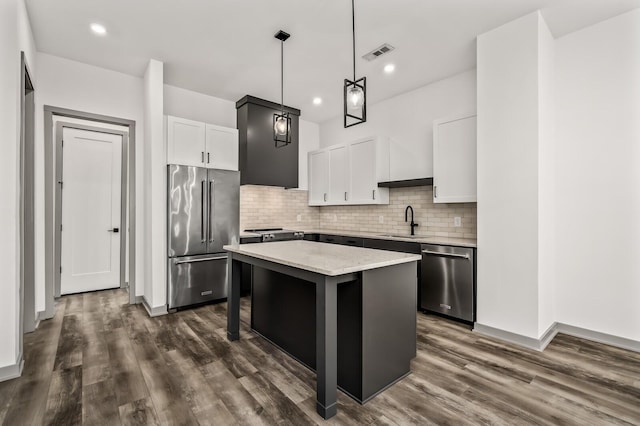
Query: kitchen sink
[[403, 236]]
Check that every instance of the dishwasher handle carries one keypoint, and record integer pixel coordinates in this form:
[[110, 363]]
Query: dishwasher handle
[[444, 254]]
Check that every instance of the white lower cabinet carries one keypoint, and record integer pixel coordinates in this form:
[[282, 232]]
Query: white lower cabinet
[[454, 160], [348, 174]]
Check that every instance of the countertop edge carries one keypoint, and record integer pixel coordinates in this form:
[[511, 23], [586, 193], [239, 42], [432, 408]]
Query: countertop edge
[[407, 258]]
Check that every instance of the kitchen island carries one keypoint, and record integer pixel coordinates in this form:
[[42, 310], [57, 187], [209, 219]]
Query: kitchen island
[[355, 308]]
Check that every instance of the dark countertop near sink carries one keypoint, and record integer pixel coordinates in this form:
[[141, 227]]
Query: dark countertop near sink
[[449, 241], [459, 242]]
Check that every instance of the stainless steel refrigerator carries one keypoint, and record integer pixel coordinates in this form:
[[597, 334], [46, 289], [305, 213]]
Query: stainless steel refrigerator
[[203, 216]]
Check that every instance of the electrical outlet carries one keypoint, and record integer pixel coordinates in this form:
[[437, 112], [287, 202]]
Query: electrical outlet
[[335, 217], [299, 218], [380, 219], [457, 221]]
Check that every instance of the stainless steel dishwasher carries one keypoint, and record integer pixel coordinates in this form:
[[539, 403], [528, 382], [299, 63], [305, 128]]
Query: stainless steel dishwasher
[[448, 281]]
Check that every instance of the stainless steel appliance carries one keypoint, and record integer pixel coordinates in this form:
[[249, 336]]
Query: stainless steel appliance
[[277, 234], [203, 215], [448, 281]]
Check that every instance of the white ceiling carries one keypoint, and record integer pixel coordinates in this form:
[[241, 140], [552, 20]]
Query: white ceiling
[[226, 48]]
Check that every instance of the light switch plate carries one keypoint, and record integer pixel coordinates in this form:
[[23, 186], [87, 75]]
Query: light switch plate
[[380, 219], [299, 218], [457, 221]]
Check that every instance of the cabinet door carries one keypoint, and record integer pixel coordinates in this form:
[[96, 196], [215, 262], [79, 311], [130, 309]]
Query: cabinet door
[[318, 177], [362, 171], [221, 148], [454, 160], [185, 142], [338, 175]]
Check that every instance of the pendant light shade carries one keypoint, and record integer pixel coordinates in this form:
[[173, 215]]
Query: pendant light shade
[[355, 97], [281, 125], [355, 91], [282, 121]]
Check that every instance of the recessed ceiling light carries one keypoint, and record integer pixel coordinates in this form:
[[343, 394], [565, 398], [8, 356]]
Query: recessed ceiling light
[[98, 29], [317, 101], [389, 68]]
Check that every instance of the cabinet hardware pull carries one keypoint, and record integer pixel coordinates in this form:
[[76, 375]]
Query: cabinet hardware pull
[[325, 196], [435, 192], [202, 156], [374, 194], [208, 158], [345, 196]]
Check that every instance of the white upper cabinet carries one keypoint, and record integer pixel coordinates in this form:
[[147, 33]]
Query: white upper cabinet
[[454, 160], [185, 142], [318, 177], [348, 174], [192, 143], [368, 165], [221, 147], [338, 175]]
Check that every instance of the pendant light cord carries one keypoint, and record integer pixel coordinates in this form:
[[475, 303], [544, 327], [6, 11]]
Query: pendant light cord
[[353, 23], [282, 76]]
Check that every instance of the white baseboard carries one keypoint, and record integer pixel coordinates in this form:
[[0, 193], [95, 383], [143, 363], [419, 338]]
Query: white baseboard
[[12, 371], [42, 315], [139, 300], [154, 312], [596, 336], [555, 328], [518, 339]]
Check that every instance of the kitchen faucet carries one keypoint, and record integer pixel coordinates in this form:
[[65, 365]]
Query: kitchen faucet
[[412, 224]]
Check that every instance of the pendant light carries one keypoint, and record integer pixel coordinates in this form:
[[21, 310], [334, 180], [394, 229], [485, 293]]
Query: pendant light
[[282, 121], [355, 91]]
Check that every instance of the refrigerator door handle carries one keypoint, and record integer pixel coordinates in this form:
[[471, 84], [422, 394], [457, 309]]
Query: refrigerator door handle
[[180, 262], [211, 202], [202, 213]]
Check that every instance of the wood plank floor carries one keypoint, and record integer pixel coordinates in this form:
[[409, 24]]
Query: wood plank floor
[[101, 361]]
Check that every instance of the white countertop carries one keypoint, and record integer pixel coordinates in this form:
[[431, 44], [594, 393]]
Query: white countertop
[[322, 258]]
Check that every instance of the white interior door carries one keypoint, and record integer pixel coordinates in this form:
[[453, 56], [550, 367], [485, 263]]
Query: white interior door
[[91, 176]]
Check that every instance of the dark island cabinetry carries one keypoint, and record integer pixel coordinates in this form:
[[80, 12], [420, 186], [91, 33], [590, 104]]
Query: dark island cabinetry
[[372, 351]]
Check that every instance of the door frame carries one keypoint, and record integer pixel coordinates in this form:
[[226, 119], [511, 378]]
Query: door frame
[[27, 306], [60, 126], [50, 189]]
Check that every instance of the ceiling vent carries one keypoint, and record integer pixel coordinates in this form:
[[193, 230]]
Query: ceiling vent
[[379, 51]]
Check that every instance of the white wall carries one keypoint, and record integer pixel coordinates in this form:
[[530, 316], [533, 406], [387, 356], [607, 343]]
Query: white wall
[[507, 275], [196, 106], [155, 209], [309, 140], [408, 120], [9, 255], [15, 35], [74, 85], [546, 180], [598, 169]]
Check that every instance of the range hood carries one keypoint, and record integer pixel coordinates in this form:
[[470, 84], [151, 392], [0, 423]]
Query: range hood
[[261, 163], [406, 183]]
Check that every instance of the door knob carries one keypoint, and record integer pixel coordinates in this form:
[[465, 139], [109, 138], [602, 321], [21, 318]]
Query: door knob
[[114, 230]]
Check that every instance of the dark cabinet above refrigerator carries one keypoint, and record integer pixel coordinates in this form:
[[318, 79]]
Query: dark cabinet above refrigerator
[[261, 162]]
